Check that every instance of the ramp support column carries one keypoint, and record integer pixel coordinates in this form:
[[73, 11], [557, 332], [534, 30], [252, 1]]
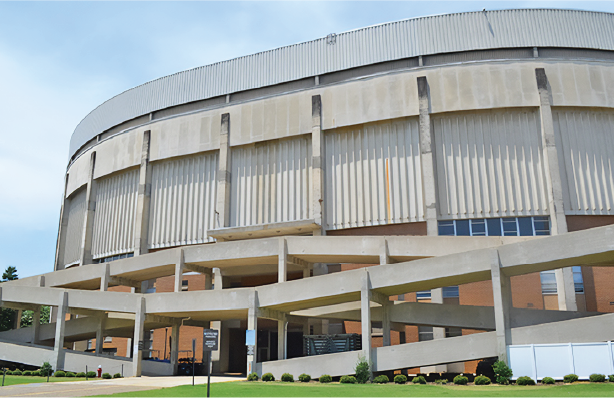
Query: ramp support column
[[175, 348], [365, 316], [252, 324], [139, 326], [60, 327], [502, 298]]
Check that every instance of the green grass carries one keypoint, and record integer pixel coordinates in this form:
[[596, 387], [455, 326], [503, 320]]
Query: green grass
[[11, 380], [278, 389]]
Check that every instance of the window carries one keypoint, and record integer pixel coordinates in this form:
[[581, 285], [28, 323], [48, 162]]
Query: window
[[454, 332], [425, 333], [506, 226], [113, 258], [548, 279], [184, 285], [423, 295], [450, 292]]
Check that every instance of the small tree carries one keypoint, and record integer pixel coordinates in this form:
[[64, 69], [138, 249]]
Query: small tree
[[503, 373], [363, 370], [10, 274], [46, 369]]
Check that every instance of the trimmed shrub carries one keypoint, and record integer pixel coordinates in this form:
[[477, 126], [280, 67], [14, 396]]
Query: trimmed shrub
[[348, 380], [461, 380], [60, 373], [304, 378], [611, 378], [287, 377], [9, 372], [570, 378], [107, 376], [46, 369], [525, 381], [27, 373], [90, 374], [481, 381], [441, 381], [325, 379], [70, 374], [252, 376], [117, 376], [400, 379], [36, 373], [17, 372], [381, 379], [503, 373], [363, 370], [80, 374], [268, 377], [547, 380], [596, 378], [419, 380]]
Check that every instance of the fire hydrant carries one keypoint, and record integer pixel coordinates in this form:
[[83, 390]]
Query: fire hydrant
[[99, 370]]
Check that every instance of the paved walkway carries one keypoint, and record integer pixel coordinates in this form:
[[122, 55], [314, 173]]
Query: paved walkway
[[99, 387]]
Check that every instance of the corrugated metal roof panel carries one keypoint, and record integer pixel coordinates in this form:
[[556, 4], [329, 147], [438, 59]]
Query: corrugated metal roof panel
[[379, 43]]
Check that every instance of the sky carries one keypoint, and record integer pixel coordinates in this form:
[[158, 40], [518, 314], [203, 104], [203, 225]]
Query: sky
[[60, 60]]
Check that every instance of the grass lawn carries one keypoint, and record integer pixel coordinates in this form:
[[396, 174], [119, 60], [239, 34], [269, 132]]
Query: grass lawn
[[11, 380], [278, 389]]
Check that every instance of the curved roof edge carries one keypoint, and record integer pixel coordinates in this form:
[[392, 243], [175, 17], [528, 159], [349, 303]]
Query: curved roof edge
[[446, 33]]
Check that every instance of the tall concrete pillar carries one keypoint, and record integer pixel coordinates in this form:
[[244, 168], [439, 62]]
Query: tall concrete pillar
[[217, 325], [61, 240], [100, 333], [502, 298], [252, 324], [282, 269], [139, 333], [365, 315], [317, 162], [282, 336], [209, 279], [17, 321], [141, 229], [179, 267], [224, 178], [90, 209], [36, 325], [386, 324], [175, 347], [60, 326], [564, 277]]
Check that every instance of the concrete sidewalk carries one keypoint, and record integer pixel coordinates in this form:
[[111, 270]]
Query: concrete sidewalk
[[100, 387]]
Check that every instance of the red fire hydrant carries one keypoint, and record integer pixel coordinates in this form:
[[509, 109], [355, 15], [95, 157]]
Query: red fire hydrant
[[99, 370]]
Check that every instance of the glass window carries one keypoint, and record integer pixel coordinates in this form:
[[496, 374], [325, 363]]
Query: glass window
[[548, 279], [462, 228], [450, 292], [510, 226], [425, 333], [525, 226], [577, 279], [446, 228], [454, 332], [541, 225], [423, 295], [478, 227], [494, 226]]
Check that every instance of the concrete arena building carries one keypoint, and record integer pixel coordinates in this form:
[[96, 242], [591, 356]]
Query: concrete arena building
[[441, 186]]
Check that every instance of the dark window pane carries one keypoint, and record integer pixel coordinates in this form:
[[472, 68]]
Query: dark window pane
[[446, 228], [462, 227], [509, 226], [542, 225], [526, 226], [423, 295], [494, 226], [450, 291], [478, 227]]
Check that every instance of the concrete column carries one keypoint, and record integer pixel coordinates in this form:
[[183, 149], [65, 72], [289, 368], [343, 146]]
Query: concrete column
[[209, 279], [139, 332], [282, 336], [502, 298], [217, 325], [365, 315], [252, 324], [223, 180], [141, 229], [88, 222], [36, 325], [317, 162], [179, 266], [17, 324], [307, 272], [282, 270], [175, 347], [105, 278], [100, 333], [386, 324], [429, 182], [564, 277], [60, 326], [61, 240]]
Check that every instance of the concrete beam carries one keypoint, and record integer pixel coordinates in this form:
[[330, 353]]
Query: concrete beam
[[502, 298], [60, 325], [365, 315], [119, 281], [102, 320], [90, 209], [139, 332], [222, 208], [197, 268], [317, 162], [179, 265], [282, 270], [429, 184], [141, 228], [61, 239]]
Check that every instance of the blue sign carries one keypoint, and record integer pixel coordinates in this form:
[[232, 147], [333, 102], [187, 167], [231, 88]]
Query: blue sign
[[250, 337]]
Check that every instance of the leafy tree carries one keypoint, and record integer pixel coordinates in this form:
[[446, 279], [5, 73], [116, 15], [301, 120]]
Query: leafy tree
[[10, 274], [503, 373], [363, 370], [27, 316], [7, 315]]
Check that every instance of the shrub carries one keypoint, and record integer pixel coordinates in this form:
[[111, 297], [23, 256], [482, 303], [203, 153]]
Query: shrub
[[27, 373], [117, 376], [381, 379], [81, 374], [17, 372], [525, 381], [46, 369], [268, 377], [90, 374], [304, 378], [363, 370], [325, 379], [481, 381], [503, 373], [596, 378], [36, 373], [287, 377], [461, 380], [441, 381], [60, 373], [252, 376], [570, 378], [348, 380], [9, 372], [611, 378], [400, 379], [70, 374], [107, 376], [419, 380], [484, 368], [547, 380]]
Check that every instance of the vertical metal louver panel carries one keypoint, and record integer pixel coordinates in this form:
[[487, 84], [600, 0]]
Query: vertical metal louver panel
[[183, 196], [115, 216], [271, 182], [373, 175], [74, 229], [587, 139], [489, 164]]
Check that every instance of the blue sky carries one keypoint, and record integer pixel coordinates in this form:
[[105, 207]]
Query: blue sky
[[59, 60]]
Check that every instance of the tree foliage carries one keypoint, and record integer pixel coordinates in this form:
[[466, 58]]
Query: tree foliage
[[10, 274]]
